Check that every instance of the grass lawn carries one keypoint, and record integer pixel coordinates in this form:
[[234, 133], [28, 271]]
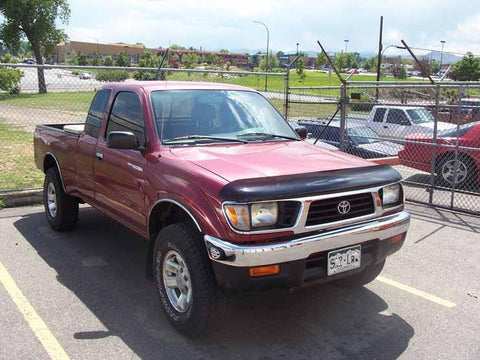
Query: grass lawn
[[65, 101], [18, 170]]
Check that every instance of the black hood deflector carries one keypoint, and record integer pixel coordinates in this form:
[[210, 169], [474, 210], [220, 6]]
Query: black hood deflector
[[309, 184]]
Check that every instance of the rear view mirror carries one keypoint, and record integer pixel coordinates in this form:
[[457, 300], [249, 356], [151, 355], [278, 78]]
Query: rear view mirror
[[302, 132], [122, 140]]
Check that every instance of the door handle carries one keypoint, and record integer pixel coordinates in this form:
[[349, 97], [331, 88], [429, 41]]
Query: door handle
[[99, 156]]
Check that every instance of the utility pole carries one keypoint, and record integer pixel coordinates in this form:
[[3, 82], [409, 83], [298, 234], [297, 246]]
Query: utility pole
[[441, 55], [268, 41], [297, 48], [379, 59], [346, 45]]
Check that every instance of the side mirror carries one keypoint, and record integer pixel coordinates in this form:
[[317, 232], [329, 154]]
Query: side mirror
[[122, 140], [302, 132]]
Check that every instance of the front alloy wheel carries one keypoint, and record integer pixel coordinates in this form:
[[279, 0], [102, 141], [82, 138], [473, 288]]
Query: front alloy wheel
[[176, 279]]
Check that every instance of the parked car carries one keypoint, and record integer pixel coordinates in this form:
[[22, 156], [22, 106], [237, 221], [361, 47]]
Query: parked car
[[396, 122], [359, 140], [418, 155], [85, 76], [226, 193]]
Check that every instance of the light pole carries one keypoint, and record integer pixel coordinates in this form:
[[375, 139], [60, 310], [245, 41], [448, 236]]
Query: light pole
[[346, 45], [268, 42], [297, 48], [441, 55]]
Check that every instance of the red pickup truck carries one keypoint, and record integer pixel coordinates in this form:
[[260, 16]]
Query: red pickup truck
[[228, 195]]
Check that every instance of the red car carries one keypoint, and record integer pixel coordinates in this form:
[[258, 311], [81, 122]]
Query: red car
[[418, 154]]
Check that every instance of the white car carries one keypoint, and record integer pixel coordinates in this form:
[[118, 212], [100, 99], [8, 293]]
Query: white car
[[85, 76]]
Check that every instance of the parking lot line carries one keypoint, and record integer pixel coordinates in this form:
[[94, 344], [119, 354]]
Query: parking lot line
[[416, 292], [40, 329]]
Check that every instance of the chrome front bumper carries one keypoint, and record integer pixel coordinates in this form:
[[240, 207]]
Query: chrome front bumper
[[245, 256]]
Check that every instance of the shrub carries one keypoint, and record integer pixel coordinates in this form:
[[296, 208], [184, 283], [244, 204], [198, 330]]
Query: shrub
[[144, 75], [365, 103], [112, 75], [10, 80]]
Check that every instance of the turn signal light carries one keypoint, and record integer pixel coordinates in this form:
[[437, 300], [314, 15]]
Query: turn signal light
[[264, 270], [396, 238]]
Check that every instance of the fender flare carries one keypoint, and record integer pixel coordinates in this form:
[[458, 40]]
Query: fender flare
[[58, 168]]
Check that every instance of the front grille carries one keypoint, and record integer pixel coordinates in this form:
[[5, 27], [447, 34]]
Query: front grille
[[287, 213], [326, 211]]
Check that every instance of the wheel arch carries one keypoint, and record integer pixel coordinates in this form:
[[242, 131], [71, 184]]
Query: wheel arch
[[164, 212], [49, 161]]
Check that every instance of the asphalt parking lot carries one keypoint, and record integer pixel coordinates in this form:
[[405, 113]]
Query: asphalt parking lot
[[83, 295]]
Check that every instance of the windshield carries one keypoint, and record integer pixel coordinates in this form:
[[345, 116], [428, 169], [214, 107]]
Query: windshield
[[420, 116], [363, 135], [194, 116]]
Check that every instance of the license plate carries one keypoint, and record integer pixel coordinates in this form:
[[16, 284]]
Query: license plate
[[344, 260]]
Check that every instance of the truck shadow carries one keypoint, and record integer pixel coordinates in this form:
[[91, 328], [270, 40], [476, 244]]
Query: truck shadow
[[103, 264]]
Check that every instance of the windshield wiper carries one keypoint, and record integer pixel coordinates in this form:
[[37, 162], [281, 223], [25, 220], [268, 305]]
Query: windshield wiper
[[267, 135], [203, 137]]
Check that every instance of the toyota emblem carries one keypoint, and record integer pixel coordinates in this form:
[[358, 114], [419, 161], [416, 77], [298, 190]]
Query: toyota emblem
[[343, 207]]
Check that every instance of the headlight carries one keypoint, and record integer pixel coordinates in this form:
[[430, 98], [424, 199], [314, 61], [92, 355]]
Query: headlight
[[391, 194], [258, 215], [264, 214]]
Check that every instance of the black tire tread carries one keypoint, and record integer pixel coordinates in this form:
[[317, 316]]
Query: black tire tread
[[67, 206], [212, 305]]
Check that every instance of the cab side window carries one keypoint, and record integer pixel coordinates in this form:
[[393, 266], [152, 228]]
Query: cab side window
[[379, 114], [95, 113], [397, 116], [127, 115]]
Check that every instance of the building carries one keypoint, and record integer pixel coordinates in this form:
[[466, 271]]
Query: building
[[236, 59], [132, 51]]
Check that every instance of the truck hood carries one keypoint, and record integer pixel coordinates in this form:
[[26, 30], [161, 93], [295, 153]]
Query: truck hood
[[256, 160], [442, 126]]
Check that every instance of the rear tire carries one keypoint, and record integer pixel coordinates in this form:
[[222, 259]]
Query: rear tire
[[466, 172], [186, 283], [61, 209], [363, 278]]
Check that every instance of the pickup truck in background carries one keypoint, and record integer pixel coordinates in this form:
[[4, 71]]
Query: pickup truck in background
[[226, 193], [397, 122]]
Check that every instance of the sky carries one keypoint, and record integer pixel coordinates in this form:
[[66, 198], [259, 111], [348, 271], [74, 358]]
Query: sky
[[216, 24]]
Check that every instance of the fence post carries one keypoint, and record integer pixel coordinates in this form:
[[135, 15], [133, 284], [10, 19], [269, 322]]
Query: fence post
[[343, 115], [434, 147], [457, 143], [287, 92]]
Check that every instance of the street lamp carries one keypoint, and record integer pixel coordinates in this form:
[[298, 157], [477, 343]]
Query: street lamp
[[441, 55], [346, 44], [297, 48], [268, 42]]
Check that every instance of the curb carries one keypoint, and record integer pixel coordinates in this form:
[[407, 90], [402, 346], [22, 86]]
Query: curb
[[21, 197]]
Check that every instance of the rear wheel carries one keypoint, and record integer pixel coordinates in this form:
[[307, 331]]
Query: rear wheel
[[363, 278], [186, 283], [460, 173], [61, 209]]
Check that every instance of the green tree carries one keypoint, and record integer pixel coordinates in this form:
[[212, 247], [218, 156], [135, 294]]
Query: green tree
[[148, 59], [108, 61], [82, 60], [467, 69], [321, 59], [177, 47], [371, 64], [36, 21], [96, 60], [345, 60], [272, 62], [223, 50], [122, 60], [227, 66], [190, 60], [9, 59], [300, 68]]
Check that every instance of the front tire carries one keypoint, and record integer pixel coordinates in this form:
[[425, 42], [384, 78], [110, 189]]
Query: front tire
[[186, 283], [61, 209]]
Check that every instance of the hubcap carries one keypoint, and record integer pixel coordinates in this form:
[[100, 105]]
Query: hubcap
[[176, 279], [448, 172], [51, 200]]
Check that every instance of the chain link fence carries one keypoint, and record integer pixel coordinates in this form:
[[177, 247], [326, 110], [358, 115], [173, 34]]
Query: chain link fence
[[69, 91], [429, 132]]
